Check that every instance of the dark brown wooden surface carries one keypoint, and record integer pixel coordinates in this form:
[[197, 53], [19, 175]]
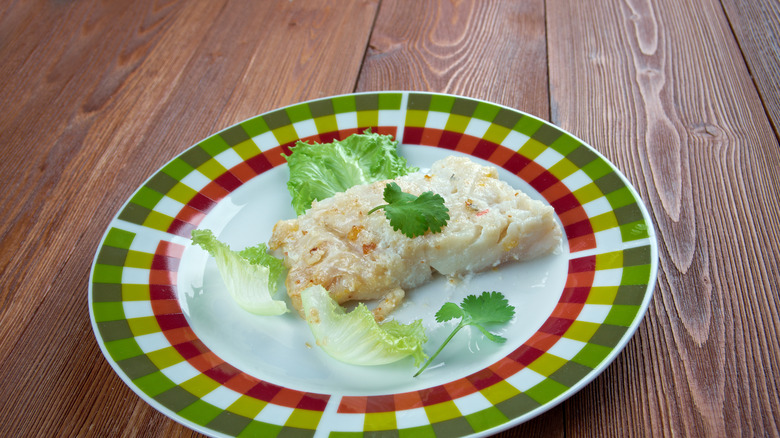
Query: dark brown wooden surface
[[756, 26], [682, 96]]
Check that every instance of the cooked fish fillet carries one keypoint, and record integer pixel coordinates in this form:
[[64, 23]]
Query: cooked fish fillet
[[360, 257]]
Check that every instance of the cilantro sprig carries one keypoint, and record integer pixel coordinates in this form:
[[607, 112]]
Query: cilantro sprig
[[489, 307], [413, 215]]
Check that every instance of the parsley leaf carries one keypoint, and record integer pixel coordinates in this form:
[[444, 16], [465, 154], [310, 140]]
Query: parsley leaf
[[489, 307], [413, 215]]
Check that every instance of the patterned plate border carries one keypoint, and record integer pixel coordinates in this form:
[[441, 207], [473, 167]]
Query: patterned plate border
[[143, 333]]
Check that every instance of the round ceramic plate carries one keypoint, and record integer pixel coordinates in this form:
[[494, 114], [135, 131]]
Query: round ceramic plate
[[168, 327]]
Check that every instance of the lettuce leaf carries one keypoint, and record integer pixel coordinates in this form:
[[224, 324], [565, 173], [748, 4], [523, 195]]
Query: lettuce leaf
[[318, 171], [251, 275], [355, 337]]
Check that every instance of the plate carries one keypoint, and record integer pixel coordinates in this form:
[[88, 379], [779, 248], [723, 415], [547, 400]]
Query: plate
[[167, 327]]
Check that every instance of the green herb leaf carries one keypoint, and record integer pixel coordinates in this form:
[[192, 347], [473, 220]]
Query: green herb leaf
[[450, 311], [413, 215], [489, 307]]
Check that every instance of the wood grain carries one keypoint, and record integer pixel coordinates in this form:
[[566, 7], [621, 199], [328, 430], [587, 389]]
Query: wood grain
[[100, 107], [756, 26], [671, 103], [682, 96], [483, 49]]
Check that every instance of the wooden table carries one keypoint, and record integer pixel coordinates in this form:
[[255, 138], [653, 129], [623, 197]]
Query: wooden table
[[684, 97]]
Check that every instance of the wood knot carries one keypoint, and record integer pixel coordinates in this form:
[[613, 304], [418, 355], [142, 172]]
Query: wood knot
[[705, 129]]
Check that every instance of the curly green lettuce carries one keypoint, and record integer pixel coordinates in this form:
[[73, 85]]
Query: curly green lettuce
[[355, 337], [251, 275], [318, 171]]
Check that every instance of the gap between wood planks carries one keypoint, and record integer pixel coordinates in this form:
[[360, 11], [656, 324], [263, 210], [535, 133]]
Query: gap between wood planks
[[367, 46], [751, 70]]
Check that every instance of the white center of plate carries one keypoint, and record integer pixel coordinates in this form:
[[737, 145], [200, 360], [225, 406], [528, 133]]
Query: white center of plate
[[281, 349]]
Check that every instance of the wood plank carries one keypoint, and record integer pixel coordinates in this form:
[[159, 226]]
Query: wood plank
[[756, 24], [482, 49], [110, 92], [661, 89]]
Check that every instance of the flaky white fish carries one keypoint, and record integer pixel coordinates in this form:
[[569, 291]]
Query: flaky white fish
[[356, 256]]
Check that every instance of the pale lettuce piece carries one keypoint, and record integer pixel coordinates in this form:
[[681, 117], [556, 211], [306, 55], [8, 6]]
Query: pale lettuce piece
[[318, 171], [251, 275], [355, 337]]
